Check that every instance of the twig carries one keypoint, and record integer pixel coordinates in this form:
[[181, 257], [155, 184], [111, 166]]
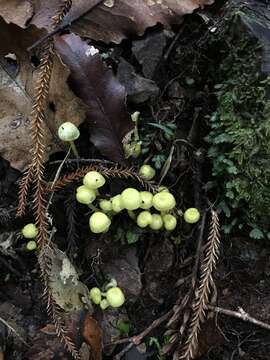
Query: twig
[[14, 331], [172, 44], [56, 177], [240, 314], [136, 340], [83, 161], [187, 299], [198, 252], [61, 27], [185, 263]]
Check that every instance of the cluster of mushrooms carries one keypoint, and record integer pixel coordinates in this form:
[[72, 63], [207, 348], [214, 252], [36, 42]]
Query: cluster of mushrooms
[[155, 211]]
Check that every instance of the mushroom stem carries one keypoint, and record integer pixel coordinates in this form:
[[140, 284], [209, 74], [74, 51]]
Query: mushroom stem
[[93, 208], [112, 283], [131, 214], [74, 149]]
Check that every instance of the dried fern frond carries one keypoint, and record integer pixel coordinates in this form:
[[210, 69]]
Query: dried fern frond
[[72, 231], [36, 168], [112, 172], [24, 186], [203, 291], [35, 176]]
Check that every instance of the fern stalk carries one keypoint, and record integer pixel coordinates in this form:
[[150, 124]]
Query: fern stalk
[[202, 294], [115, 171]]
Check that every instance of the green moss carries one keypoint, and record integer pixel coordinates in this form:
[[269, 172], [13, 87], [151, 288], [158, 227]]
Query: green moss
[[239, 136]]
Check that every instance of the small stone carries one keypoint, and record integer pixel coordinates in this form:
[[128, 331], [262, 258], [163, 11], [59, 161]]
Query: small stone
[[139, 89], [149, 52]]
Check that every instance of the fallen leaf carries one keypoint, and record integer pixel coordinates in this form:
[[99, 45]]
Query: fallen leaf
[[81, 328], [114, 20], [100, 90], [68, 292], [16, 11], [92, 334], [16, 90], [44, 11]]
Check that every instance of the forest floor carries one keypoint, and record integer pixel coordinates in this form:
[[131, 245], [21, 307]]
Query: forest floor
[[169, 76]]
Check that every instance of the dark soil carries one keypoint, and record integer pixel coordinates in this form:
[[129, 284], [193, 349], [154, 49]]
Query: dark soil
[[149, 268]]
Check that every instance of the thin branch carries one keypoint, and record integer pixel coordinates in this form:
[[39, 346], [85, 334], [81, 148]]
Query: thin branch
[[198, 251], [136, 340], [83, 161], [14, 331], [240, 314]]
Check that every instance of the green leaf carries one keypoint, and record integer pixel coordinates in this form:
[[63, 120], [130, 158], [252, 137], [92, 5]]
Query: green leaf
[[123, 327], [132, 237], [227, 228], [256, 234], [225, 208], [164, 128], [230, 194]]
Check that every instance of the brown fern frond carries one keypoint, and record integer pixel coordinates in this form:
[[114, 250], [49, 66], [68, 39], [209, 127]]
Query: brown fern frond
[[202, 293], [112, 172], [38, 112], [72, 220], [62, 12], [35, 175], [23, 192]]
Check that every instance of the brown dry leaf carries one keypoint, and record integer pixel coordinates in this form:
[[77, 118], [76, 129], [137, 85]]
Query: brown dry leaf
[[100, 90], [81, 327], [92, 335], [16, 11], [16, 90], [114, 20]]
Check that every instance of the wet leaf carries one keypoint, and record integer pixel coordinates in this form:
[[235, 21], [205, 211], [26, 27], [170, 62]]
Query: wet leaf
[[114, 20], [100, 90], [17, 81], [92, 335]]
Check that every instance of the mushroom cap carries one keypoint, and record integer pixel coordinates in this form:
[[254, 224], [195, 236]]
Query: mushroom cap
[[164, 201], [68, 132], [99, 222], [30, 231], [131, 199], [192, 215], [115, 297]]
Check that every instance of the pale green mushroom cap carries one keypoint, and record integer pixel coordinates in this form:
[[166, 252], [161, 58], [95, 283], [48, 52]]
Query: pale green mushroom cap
[[68, 132]]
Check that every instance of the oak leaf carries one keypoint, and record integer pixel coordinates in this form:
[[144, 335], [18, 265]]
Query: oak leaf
[[115, 20], [100, 90], [17, 82]]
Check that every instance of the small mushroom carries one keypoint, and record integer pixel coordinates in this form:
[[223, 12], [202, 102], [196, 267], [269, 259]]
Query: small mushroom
[[68, 132]]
